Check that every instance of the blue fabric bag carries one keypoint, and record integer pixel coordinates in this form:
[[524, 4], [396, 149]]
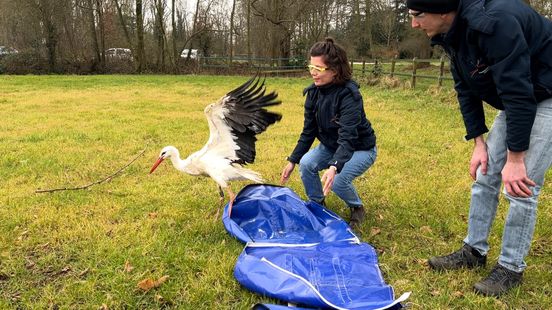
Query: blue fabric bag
[[301, 253], [275, 214]]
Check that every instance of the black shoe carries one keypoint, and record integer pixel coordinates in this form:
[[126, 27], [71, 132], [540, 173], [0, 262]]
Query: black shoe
[[358, 214], [321, 202], [465, 257], [498, 282]]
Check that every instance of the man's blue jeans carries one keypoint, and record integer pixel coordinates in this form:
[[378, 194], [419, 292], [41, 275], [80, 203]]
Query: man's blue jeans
[[520, 222], [318, 158]]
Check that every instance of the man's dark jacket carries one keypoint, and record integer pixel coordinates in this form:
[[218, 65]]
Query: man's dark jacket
[[335, 115], [501, 53]]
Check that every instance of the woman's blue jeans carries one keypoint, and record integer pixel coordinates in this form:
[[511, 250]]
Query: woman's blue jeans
[[520, 222], [318, 158]]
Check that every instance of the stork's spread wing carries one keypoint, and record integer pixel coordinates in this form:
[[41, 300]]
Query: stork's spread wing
[[237, 117]]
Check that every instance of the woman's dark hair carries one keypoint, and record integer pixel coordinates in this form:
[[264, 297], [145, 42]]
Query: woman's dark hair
[[334, 57]]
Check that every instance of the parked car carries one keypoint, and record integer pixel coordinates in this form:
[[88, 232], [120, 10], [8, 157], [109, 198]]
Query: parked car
[[193, 53], [5, 51], [119, 53]]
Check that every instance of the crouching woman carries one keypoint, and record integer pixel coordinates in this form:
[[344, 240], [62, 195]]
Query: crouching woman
[[334, 114]]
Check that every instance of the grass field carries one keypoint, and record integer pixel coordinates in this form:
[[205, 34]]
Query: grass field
[[88, 249]]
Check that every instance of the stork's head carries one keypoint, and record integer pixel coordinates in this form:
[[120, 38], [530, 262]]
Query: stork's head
[[166, 152]]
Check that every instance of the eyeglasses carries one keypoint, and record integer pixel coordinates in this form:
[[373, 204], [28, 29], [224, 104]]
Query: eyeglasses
[[416, 15], [316, 68]]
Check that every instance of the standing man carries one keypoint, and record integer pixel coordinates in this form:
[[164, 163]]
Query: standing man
[[501, 53]]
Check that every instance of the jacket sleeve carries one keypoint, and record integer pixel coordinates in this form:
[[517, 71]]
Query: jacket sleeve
[[510, 61], [471, 108], [310, 128], [350, 117]]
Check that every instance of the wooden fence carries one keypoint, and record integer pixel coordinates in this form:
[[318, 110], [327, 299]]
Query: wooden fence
[[378, 69], [395, 67]]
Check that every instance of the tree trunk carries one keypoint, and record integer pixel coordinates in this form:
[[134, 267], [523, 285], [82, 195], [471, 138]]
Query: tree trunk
[[159, 10], [368, 26], [249, 31], [140, 58], [123, 24], [99, 12], [49, 32], [175, 53], [51, 43], [231, 41], [94, 38]]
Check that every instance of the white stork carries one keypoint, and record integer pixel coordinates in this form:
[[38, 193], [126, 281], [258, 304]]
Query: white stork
[[234, 121]]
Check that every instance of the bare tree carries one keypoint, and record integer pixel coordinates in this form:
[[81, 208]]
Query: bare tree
[[140, 54], [97, 60], [45, 11], [123, 23], [282, 15], [175, 53], [231, 34], [158, 8]]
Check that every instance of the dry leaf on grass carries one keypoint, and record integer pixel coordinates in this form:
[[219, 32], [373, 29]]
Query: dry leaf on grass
[[128, 267], [148, 284], [152, 215], [374, 231], [425, 229], [65, 269]]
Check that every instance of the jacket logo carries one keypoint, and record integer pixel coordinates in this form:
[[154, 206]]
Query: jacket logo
[[480, 68]]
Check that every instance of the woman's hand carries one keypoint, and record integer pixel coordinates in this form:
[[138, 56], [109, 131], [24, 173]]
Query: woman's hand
[[328, 179], [288, 169]]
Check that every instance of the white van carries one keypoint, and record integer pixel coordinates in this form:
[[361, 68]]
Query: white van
[[193, 53], [117, 52]]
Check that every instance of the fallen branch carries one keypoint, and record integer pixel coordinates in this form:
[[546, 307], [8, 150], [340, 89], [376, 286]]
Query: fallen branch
[[108, 178]]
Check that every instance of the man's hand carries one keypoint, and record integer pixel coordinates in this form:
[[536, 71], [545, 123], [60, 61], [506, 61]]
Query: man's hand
[[514, 176], [328, 179], [479, 157], [288, 169]]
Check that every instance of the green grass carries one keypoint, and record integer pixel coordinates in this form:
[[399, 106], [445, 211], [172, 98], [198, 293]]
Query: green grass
[[68, 249]]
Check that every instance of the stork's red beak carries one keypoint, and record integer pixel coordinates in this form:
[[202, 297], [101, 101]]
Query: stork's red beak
[[157, 163]]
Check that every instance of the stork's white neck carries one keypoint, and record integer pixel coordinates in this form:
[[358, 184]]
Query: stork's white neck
[[185, 165]]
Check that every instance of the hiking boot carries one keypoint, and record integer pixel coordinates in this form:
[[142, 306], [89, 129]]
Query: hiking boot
[[465, 257], [498, 282], [358, 214]]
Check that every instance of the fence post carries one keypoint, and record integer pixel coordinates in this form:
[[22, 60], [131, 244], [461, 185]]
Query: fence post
[[414, 72], [393, 61], [377, 69], [363, 67], [441, 70]]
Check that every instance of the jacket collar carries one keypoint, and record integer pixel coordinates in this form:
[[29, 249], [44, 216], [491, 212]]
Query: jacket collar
[[470, 14], [325, 89]]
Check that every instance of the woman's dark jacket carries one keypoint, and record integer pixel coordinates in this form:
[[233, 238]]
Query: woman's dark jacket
[[335, 115], [501, 53]]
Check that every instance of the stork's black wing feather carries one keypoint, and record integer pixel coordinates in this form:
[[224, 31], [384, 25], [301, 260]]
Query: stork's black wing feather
[[246, 114]]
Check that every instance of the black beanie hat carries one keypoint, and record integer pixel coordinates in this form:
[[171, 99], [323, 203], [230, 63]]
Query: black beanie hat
[[433, 6]]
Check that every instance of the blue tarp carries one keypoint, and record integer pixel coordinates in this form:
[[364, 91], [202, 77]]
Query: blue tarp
[[268, 213], [304, 254]]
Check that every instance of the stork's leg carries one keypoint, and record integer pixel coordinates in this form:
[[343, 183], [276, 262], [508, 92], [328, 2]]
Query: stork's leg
[[221, 193], [232, 197], [221, 201]]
